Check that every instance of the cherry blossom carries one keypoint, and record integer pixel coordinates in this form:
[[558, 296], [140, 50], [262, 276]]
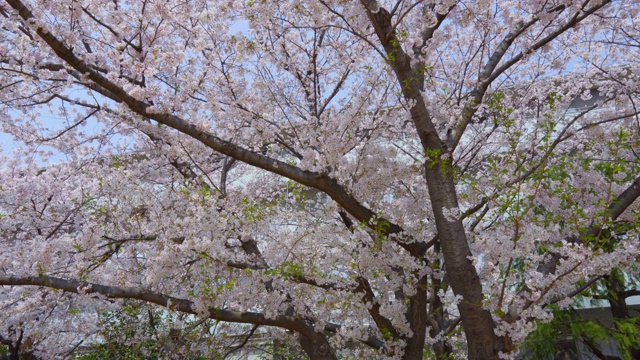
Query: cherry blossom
[[377, 178]]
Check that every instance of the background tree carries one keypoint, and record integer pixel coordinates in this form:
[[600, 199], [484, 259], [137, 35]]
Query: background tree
[[141, 332], [616, 326], [380, 178]]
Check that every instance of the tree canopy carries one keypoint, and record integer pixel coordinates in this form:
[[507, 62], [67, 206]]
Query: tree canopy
[[394, 179]]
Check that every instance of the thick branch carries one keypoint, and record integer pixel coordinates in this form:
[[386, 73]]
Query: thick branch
[[171, 303], [427, 34], [411, 79], [630, 293], [382, 322]]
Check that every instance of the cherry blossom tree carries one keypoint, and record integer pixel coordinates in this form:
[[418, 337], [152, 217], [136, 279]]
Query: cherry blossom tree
[[400, 179]]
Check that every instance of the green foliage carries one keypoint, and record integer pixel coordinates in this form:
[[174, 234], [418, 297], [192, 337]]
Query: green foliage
[[282, 350], [431, 355], [386, 334], [254, 210], [543, 343], [124, 336], [626, 335], [135, 332], [433, 157], [570, 324]]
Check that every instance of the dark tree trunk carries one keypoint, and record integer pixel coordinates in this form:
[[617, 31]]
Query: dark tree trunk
[[317, 348], [442, 349], [417, 317], [482, 342], [617, 301], [616, 298]]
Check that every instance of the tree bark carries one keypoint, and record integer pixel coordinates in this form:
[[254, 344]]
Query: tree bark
[[442, 349], [478, 324], [317, 347], [618, 303], [315, 344], [417, 317]]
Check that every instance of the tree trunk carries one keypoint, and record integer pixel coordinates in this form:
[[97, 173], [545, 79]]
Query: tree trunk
[[615, 296], [317, 348], [417, 317], [618, 303], [478, 325], [442, 349]]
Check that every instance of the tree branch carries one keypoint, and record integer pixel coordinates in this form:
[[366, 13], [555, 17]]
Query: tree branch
[[169, 302], [382, 322], [630, 293], [576, 291]]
